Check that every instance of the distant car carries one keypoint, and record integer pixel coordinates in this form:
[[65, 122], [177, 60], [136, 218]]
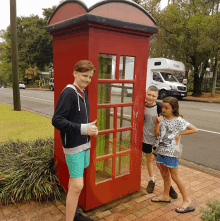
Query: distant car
[[51, 84], [21, 85]]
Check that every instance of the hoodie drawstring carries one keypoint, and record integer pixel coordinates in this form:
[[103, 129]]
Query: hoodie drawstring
[[70, 85], [78, 102]]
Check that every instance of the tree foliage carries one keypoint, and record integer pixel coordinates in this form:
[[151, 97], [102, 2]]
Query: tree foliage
[[188, 31], [34, 46]]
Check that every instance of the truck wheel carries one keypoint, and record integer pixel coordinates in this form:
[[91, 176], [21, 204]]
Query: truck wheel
[[51, 88], [162, 94]]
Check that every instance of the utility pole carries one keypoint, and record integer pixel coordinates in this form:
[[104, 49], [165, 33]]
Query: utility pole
[[14, 56]]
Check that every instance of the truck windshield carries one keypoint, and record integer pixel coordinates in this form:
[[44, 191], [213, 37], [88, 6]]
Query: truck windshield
[[169, 77]]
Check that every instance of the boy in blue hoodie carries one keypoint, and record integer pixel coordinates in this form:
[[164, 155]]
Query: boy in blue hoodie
[[71, 117]]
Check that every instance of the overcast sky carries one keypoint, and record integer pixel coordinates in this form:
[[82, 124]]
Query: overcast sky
[[28, 7]]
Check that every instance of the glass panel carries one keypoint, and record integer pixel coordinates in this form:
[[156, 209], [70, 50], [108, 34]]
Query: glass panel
[[105, 118], [122, 165], [115, 93], [156, 77], [107, 66], [123, 141], [103, 170], [104, 144], [124, 117], [126, 68]]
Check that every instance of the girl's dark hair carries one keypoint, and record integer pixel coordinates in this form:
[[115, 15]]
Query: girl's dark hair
[[173, 102]]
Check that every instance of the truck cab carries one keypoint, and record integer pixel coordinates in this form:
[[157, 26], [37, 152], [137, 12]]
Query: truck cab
[[161, 73]]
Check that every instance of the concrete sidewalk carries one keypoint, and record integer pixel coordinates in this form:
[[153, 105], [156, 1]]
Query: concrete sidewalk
[[200, 186], [203, 99]]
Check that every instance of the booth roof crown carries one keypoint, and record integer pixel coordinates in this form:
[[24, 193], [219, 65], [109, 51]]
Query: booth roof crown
[[115, 11]]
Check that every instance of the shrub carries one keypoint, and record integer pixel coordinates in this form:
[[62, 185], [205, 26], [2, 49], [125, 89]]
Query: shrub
[[27, 171], [213, 213], [37, 82]]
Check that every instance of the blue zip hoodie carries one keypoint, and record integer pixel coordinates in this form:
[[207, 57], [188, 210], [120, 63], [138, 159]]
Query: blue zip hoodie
[[71, 118]]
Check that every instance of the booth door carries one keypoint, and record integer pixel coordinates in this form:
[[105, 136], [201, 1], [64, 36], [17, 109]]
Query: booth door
[[117, 165]]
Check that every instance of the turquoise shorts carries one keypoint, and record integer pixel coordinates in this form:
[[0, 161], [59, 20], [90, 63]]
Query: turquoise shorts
[[77, 162], [172, 162]]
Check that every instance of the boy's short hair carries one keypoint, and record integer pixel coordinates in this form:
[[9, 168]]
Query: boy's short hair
[[153, 88], [84, 66]]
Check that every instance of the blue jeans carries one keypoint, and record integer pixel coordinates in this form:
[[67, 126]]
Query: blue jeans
[[172, 162]]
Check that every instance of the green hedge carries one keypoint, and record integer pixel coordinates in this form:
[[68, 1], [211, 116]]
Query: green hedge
[[27, 171], [213, 213]]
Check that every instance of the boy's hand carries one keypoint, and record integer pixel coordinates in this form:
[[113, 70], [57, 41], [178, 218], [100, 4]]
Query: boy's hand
[[158, 119], [92, 129]]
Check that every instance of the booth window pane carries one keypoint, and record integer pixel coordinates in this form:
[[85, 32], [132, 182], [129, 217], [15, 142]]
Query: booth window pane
[[104, 144], [123, 141], [107, 66], [103, 170], [122, 165], [114, 93], [126, 68], [124, 117], [105, 118]]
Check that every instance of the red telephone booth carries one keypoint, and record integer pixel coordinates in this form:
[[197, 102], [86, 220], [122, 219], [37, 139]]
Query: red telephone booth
[[114, 36]]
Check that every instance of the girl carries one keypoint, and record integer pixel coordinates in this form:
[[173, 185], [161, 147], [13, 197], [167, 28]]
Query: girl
[[169, 127]]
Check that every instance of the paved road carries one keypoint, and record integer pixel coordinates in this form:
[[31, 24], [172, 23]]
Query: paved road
[[202, 148], [35, 100]]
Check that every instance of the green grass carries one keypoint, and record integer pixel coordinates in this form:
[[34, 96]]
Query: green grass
[[27, 170], [23, 125]]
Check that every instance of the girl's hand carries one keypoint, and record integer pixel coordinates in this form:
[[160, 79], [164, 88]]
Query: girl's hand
[[158, 119], [177, 138]]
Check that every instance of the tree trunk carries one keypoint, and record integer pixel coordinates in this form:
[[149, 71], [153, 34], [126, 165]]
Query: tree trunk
[[197, 84], [214, 80]]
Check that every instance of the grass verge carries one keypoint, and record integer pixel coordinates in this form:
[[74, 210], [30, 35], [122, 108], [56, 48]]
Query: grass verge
[[23, 125]]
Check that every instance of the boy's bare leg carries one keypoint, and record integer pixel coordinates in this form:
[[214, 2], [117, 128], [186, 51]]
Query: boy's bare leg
[[180, 185], [75, 187], [149, 162]]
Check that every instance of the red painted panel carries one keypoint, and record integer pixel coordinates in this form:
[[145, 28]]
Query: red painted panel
[[109, 42], [67, 11], [83, 44], [67, 51], [124, 12]]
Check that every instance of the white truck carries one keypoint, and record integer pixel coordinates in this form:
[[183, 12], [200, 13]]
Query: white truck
[[161, 73]]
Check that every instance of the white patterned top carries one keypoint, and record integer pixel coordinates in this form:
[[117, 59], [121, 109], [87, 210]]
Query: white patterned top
[[166, 143]]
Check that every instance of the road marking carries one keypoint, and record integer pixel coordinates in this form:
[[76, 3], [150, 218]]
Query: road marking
[[5, 93], [25, 92], [210, 110], [37, 98], [31, 97], [119, 114], [209, 131]]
